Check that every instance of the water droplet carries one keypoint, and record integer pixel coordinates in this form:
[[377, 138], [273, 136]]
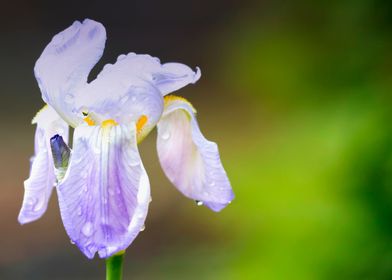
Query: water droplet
[[84, 174], [87, 229], [32, 201], [199, 203], [134, 159], [69, 98], [107, 66], [124, 99], [96, 150], [229, 202], [150, 199], [80, 211], [143, 228], [72, 242], [121, 57], [165, 135], [37, 204], [85, 188]]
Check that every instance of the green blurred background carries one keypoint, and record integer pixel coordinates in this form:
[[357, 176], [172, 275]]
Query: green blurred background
[[296, 93]]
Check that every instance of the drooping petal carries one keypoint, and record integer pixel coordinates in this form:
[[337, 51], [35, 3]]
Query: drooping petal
[[191, 162], [38, 187], [66, 63], [105, 193]]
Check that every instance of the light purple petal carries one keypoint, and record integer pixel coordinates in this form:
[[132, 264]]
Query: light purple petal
[[190, 161], [65, 65], [113, 96], [133, 71], [105, 193], [38, 187]]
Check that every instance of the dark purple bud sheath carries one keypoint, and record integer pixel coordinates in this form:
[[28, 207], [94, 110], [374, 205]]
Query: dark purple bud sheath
[[60, 152]]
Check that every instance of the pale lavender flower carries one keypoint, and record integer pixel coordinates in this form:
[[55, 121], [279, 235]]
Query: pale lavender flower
[[104, 193]]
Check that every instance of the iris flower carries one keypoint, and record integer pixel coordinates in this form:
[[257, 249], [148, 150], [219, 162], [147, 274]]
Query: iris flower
[[103, 188]]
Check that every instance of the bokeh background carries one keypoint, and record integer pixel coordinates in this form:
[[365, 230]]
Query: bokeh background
[[296, 93]]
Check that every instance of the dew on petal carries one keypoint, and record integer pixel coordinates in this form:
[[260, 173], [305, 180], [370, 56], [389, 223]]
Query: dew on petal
[[96, 150], [84, 174], [143, 228], [39, 204], [165, 135], [80, 210], [121, 57], [87, 229], [69, 98], [32, 201], [134, 159], [199, 203], [124, 99]]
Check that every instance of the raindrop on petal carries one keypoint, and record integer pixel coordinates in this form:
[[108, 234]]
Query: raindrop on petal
[[121, 57], [69, 98], [143, 228], [124, 99], [165, 135], [199, 203], [87, 229], [80, 210], [32, 201]]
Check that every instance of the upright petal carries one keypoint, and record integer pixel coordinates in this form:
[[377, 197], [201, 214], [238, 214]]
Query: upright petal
[[38, 187], [109, 98], [190, 161], [105, 193], [66, 63], [129, 70]]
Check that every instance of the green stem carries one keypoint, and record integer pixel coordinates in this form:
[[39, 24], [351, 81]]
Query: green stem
[[114, 266]]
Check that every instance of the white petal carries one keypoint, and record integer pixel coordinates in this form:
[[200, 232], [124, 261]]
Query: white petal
[[105, 193], [65, 65], [190, 161], [38, 187]]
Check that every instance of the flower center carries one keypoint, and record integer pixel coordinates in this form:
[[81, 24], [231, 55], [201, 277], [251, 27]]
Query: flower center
[[141, 122]]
